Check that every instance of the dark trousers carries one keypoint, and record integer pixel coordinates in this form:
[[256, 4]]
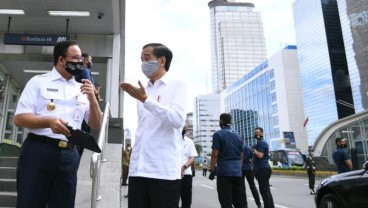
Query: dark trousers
[[186, 191], [153, 193], [263, 176], [230, 190], [311, 177], [249, 175], [46, 176], [204, 172], [125, 174]]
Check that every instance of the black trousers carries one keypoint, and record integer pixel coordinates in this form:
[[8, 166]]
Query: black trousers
[[230, 190], [249, 175], [186, 191], [153, 193], [263, 176], [204, 172], [46, 176], [311, 177]]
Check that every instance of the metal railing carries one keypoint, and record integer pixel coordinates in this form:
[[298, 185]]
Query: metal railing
[[95, 169]]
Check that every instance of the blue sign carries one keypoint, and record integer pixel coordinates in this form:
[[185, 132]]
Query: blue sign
[[34, 39]]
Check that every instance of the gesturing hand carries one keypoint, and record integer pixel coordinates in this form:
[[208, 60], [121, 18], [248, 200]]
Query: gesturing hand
[[138, 93]]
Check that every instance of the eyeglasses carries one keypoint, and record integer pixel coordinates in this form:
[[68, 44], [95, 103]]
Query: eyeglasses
[[76, 58]]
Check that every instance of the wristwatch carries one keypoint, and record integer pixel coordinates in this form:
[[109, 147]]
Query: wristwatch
[[185, 167]]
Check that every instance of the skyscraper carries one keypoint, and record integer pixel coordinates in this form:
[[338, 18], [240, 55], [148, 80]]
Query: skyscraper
[[237, 41], [323, 66], [354, 23]]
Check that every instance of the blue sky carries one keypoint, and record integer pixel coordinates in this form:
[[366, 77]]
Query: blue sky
[[183, 26]]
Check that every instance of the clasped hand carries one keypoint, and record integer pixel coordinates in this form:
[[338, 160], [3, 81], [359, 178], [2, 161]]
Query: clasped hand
[[211, 176]]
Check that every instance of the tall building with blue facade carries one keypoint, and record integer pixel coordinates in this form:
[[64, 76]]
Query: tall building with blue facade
[[237, 41], [270, 97], [323, 66], [354, 24]]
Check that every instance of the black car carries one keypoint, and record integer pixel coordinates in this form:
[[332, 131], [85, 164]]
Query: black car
[[345, 190]]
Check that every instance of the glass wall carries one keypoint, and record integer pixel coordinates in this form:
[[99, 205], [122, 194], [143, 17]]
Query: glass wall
[[357, 138], [322, 74]]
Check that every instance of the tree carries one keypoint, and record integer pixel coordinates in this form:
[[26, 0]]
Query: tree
[[199, 149]]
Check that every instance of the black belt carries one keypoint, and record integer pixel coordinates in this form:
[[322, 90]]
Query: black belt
[[47, 140]]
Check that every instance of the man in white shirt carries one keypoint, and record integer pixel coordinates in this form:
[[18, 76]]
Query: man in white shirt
[[189, 153], [48, 163], [155, 163]]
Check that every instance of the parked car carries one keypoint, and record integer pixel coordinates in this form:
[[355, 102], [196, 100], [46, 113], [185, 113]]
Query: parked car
[[345, 190]]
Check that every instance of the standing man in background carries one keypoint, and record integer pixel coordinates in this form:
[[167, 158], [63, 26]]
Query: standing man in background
[[227, 152], [48, 163], [126, 160], [155, 163], [311, 171], [189, 153], [341, 157], [262, 169], [86, 74], [248, 173], [204, 167], [87, 67]]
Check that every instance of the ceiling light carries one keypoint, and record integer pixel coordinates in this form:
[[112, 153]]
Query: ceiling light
[[35, 71], [70, 13], [12, 11]]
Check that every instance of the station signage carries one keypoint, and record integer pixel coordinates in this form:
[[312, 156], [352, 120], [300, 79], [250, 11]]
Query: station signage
[[33, 39]]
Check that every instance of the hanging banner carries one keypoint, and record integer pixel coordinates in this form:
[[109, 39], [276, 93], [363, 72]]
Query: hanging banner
[[33, 39]]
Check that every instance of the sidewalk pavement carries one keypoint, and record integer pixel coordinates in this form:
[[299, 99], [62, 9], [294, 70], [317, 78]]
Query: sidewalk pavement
[[110, 185]]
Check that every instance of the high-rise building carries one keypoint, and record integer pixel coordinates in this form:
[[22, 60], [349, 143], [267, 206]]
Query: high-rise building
[[237, 41], [189, 123], [354, 24], [206, 114], [323, 66], [270, 97]]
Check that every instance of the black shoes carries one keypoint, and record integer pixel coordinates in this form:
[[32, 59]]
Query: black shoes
[[124, 184], [312, 192]]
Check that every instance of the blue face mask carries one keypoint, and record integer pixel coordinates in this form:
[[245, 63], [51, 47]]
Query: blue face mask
[[149, 67]]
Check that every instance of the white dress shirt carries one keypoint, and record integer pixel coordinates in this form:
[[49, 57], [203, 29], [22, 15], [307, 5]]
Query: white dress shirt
[[189, 150], [157, 147], [70, 104]]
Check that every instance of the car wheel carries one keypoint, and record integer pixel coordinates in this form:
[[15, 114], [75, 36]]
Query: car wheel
[[329, 201]]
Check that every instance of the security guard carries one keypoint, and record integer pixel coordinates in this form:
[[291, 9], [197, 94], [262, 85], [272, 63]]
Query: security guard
[[47, 165], [262, 169]]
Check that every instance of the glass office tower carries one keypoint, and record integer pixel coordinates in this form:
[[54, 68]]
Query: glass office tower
[[237, 41], [323, 66], [354, 23], [270, 97]]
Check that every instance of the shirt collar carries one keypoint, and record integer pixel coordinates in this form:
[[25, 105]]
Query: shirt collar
[[164, 80], [55, 75]]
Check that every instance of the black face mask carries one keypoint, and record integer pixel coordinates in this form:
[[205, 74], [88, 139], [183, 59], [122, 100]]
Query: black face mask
[[74, 68], [257, 136], [343, 145]]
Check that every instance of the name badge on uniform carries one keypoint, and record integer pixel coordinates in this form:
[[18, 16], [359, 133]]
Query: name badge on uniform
[[77, 114]]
